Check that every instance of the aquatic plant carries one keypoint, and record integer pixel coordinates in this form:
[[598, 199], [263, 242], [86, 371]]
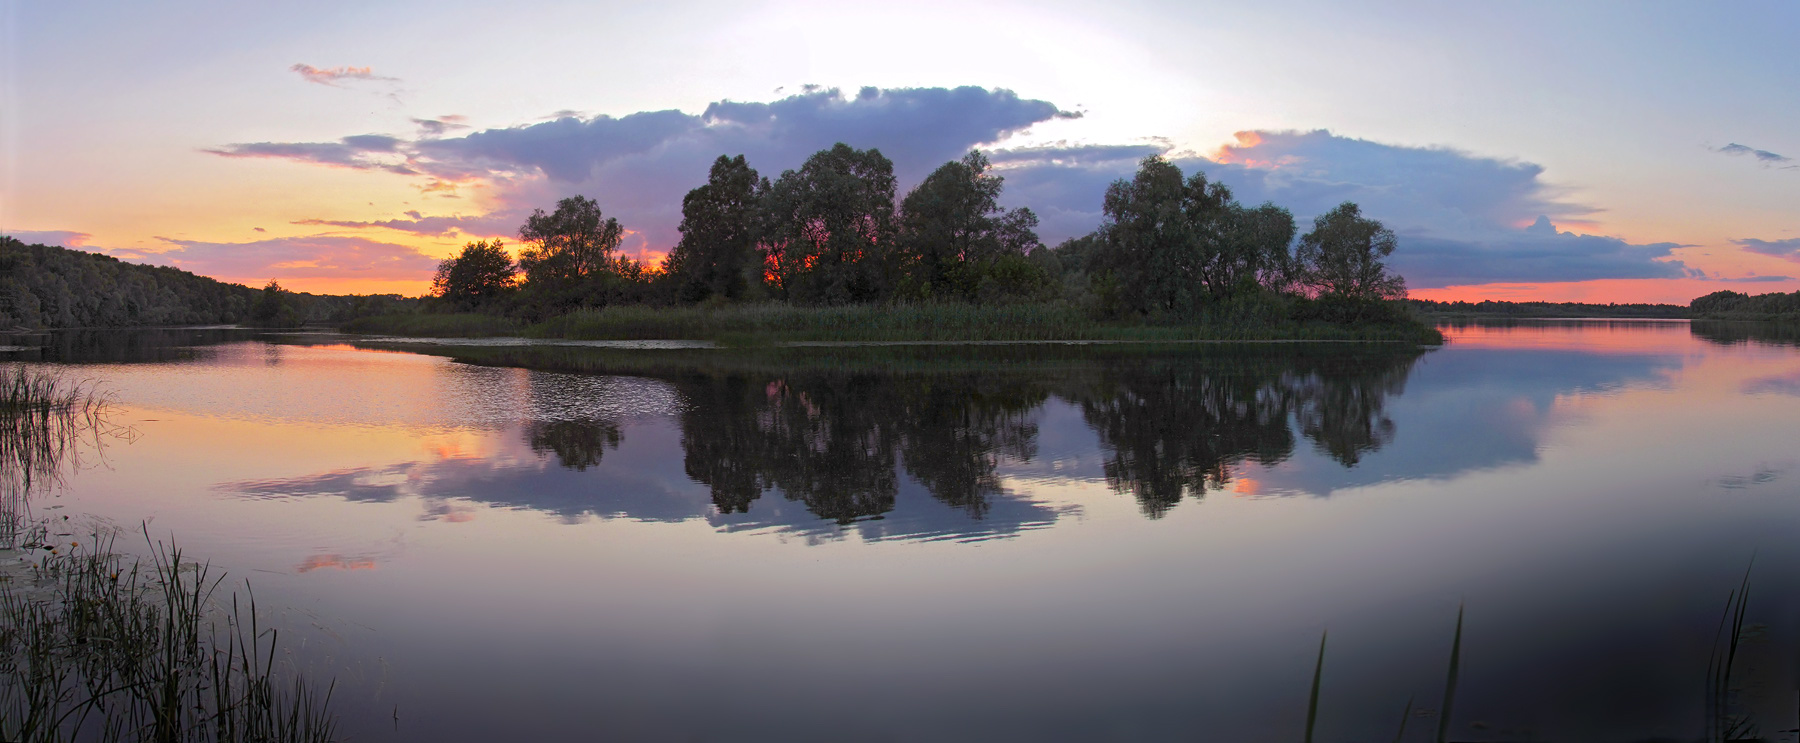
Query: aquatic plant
[[93, 648]]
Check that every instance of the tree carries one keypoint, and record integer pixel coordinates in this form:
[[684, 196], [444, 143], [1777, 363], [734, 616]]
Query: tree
[[828, 228], [479, 273], [952, 226], [273, 307], [1255, 249], [1161, 238], [718, 222], [1341, 257], [568, 245]]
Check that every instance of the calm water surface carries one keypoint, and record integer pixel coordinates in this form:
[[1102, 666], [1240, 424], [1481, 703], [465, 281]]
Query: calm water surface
[[1086, 543]]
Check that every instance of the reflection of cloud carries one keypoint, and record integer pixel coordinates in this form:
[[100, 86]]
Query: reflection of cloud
[[334, 75], [335, 562], [1763, 474], [1785, 384], [645, 485]]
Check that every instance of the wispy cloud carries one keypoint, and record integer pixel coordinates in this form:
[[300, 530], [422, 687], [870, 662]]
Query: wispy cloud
[[336, 76], [59, 238], [1767, 158], [494, 224], [1788, 248], [317, 256], [360, 152]]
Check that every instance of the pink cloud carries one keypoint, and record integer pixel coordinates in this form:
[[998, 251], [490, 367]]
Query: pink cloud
[[333, 75]]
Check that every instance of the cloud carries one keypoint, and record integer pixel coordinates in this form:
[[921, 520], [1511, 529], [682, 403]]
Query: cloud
[[360, 152], [1756, 279], [1788, 248], [639, 166], [1461, 218], [503, 223], [332, 76], [59, 238], [438, 126], [1765, 157], [1537, 253], [318, 256]]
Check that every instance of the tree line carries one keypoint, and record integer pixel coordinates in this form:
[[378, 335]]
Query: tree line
[[832, 232], [1730, 305]]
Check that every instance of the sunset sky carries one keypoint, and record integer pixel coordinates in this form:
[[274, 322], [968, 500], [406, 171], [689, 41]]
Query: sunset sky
[[1640, 151]]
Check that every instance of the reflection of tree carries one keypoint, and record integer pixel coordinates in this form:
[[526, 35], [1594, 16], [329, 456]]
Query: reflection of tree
[[1731, 333], [578, 444], [1175, 427], [832, 440]]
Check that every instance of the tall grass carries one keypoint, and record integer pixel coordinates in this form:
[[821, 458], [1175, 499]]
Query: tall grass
[[94, 649], [754, 323], [46, 421]]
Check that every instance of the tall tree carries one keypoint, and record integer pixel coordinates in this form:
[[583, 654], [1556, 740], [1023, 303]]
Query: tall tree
[[1341, 257], [1162, 238], [482, 271], [718, 223], [953, 220], [1255, 249], [828, 228], [572, 243]]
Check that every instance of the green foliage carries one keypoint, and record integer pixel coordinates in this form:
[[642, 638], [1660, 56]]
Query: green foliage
[[1169, 246], [1739, 306], [43, 286], [100, 649], [956, 242], [479, 274], [718, 233], [829, 228], [1341, 257]]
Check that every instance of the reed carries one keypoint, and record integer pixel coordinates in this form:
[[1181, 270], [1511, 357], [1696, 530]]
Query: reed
[[95, 648]]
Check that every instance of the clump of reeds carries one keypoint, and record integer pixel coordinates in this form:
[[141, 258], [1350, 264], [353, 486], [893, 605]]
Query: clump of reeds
[[46, 420], [93, 648]]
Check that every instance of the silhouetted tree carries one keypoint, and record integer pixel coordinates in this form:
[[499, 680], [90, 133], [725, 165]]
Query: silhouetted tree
[[481, 272], [572, 243], [718, 240], [953, 232], [1162, 240], [829, 227], [273, 308], [1341, 257]]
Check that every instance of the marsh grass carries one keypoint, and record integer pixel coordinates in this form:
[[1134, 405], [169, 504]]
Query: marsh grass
[[47, 422], [762, 323], [95, 649]]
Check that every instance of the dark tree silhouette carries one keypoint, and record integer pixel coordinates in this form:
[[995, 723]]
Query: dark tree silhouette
[[828, 228], [572, 243], [953, 231], [478, 274], [1341, 257], [718, 240]]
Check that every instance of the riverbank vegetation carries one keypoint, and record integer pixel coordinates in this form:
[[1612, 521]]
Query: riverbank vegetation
[[827, 252], [1492, 309], [98, 647]]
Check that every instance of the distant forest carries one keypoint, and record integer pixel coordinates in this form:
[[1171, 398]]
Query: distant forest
[[1730, 305], [1490, 308], [43, 286]]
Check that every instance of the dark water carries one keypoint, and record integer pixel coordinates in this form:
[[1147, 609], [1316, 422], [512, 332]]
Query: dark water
[[984, 543]]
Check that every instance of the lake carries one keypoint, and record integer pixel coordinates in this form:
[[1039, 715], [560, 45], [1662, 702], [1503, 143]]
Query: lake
[[984, 543]]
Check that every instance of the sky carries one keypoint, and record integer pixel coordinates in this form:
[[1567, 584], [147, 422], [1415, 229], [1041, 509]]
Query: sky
[[1606, 152]]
